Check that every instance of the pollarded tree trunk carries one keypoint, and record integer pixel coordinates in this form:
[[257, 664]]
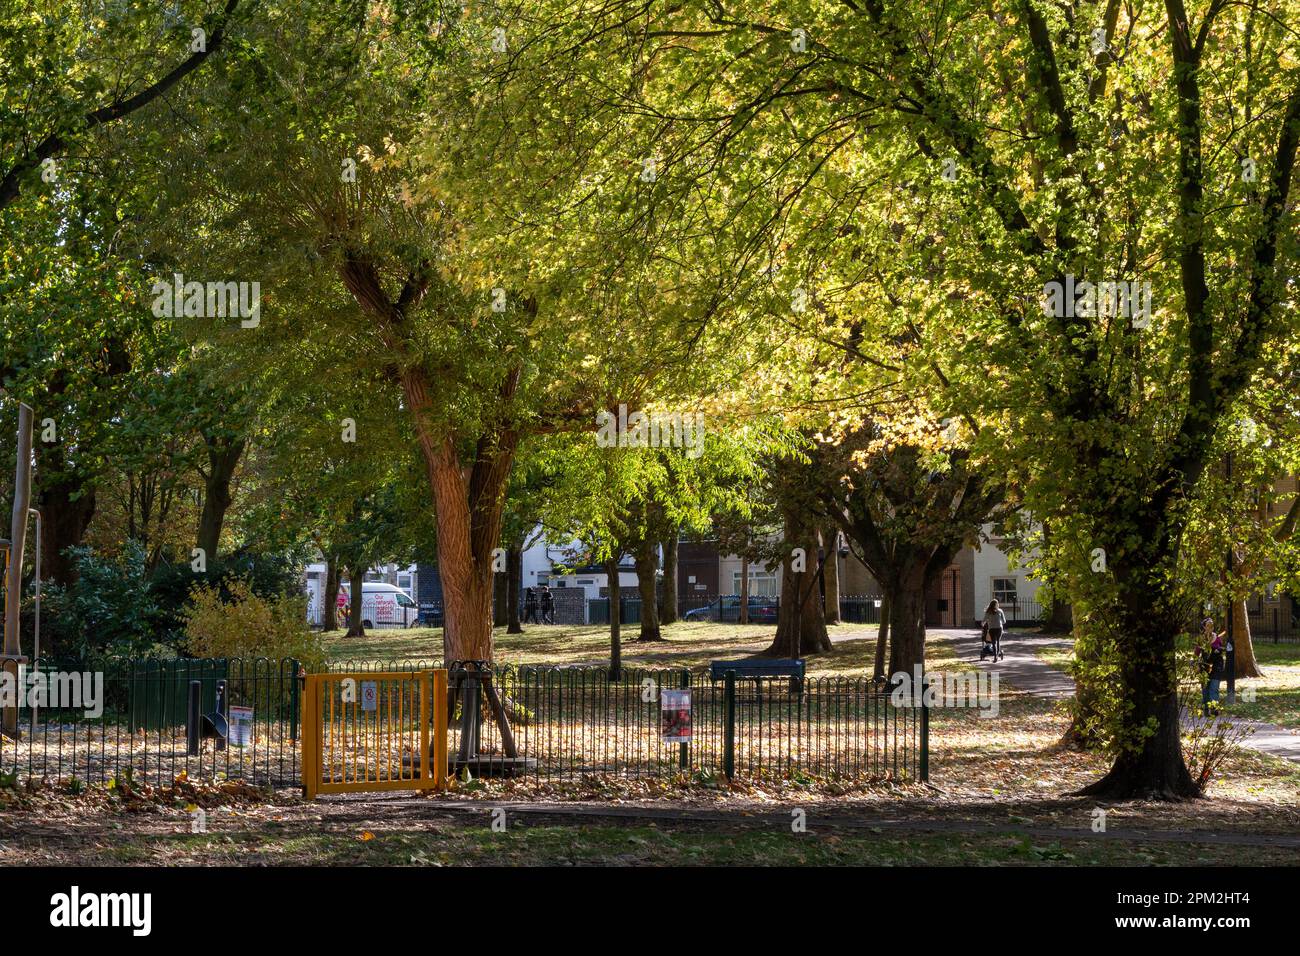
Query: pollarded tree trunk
[[357, 583], [468, 495], [468, 502], [647, 563], [330, 612], [668, 607], [801, 625], [831, 573], [515, 570], [615, 619]]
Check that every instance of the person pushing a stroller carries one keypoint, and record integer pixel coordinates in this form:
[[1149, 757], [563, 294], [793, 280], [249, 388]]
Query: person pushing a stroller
[[991, 630]]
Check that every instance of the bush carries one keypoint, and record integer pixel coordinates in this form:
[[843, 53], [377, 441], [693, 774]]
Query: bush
[[267, 575], [111, 606], [234, 621]]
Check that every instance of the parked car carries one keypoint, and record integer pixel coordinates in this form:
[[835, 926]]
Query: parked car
[[762, 610]]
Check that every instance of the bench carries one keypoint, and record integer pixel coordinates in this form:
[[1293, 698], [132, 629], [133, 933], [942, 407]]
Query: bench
[[780, 667]]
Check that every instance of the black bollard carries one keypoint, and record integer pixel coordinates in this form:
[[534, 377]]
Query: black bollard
[[192, 718], [223, 708]]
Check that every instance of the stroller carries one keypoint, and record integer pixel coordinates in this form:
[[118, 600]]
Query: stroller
[[987, 648]]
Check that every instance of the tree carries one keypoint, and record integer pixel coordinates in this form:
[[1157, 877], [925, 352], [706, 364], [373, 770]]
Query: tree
[[68, 75], [907, 507], [1059, 147], [391, 188]]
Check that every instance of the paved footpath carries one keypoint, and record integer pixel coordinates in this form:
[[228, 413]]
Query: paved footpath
[[1022, 668]]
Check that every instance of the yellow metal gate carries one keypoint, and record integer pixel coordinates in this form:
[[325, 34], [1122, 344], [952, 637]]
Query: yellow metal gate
[[383, 730]]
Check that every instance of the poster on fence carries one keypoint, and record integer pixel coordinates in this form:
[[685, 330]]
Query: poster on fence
[[241, 726], [675, 715], [369, 695]]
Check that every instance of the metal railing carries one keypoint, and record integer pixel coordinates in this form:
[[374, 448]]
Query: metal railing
[[140, 730], [567, 723], [573, 722]]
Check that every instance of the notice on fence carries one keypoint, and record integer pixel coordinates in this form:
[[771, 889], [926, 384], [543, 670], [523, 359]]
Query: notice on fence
[[369, 695], [675, 715], [241, 726]]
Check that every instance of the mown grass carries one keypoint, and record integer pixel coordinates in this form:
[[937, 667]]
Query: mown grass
[[458, 844], [1276, 694], [691, 644]]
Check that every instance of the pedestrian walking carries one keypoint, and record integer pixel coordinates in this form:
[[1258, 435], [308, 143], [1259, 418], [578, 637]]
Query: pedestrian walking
[[1212, 661], [548, 605], [994, 624]]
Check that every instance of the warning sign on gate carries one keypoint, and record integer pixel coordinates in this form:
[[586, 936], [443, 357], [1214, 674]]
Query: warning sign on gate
[[369, 695], [241, 726], [675, 715]]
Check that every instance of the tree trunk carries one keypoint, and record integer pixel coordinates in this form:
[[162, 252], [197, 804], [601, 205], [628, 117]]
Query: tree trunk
[[330, 612], [882, 636], [468, 496], [1060, 619], [647, 562], [907, 622], [1150, 765], [223, 459], [1244, 660], [668, 607], [831, 573], [468, 502], [357, 583], [615, 620], [515, 571], [801, 625], [64, 520], [744, 590]]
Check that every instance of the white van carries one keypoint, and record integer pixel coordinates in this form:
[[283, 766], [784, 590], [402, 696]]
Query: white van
[[384, 605]]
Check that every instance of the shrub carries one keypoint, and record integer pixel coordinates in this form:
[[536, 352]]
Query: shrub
[[266, 575], [111, 605], [234, 621]]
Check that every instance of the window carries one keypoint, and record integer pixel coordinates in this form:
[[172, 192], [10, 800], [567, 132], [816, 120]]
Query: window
[[404, 601], [761, 583], [404, 582], [1004, 590]]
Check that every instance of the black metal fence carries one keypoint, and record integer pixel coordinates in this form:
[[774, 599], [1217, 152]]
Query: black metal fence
[[129, 722], [568, 722], [1019, 613], [574, 722], [1277, 625]]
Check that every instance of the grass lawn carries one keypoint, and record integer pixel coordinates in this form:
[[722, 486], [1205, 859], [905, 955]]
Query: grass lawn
[[687, 644], [461, 845], [1277, 693], [415, 833]]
